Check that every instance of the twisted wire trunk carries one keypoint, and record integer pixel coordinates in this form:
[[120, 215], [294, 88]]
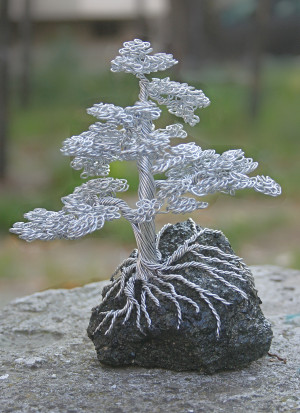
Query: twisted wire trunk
[[145, 232]]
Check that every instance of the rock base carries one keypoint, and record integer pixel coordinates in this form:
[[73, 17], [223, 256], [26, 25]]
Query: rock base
[[245, 335]]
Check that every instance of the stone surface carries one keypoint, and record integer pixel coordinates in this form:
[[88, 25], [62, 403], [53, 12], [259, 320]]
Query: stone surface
[[245, 334], [48, 364]]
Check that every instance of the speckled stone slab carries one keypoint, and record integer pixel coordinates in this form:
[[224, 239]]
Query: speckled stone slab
[[48, 364]]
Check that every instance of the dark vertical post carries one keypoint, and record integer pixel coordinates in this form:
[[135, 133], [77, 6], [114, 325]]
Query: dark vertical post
[[193, 31], [259, 41], [178, 31], [25, 31], [141, 20], [4, 44]]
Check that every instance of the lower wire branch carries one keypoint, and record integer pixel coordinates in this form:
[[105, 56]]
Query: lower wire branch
[[160, 284]]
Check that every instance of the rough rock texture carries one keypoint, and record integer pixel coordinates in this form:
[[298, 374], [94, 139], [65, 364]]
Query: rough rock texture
[[48, 364], [245, 333]]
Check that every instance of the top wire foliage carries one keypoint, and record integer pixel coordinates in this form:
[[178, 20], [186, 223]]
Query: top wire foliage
[[127, 134]]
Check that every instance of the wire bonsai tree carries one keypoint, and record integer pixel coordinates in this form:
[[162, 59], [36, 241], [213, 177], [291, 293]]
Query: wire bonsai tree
[[129, 134]]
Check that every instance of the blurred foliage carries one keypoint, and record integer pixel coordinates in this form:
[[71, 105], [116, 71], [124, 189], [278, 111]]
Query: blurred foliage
[[273, 138]]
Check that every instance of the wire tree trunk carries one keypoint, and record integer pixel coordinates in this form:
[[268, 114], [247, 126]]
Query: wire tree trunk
[[145, 234]]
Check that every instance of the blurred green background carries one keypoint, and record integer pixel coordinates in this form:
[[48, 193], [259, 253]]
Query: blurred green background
[[255, 95]]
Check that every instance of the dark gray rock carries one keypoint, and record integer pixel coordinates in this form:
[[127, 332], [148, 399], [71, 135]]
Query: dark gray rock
[[245, 334]]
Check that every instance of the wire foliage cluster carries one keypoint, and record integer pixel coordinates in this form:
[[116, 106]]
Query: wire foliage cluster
[[128, 134], [181, 99], [135, 58]]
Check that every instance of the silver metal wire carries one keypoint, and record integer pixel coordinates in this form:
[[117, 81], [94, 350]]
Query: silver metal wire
[[181, 99], [129, 134], [126, 134], [161, 278], [134, 58]]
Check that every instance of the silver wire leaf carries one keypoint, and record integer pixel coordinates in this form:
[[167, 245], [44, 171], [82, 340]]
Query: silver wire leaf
[[181, 155], [100, 140], [130, 116], [134, 58], [83, 213], [208, 173], [184, 205], [49, 225], [91, 167], [109, 112], [105, 142], [180, 98], [157, 143], [99, 187], [95, 149]]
